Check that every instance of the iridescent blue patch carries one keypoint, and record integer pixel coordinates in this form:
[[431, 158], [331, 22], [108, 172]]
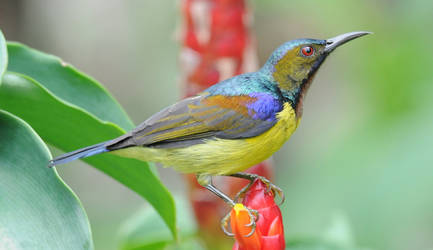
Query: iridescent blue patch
[[265, 107]]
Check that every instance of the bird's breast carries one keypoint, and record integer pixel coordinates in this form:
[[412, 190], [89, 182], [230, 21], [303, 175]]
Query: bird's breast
[[232, 156], [272, 140]]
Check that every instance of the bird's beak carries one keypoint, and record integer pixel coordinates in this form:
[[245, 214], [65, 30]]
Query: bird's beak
[[334, 42]]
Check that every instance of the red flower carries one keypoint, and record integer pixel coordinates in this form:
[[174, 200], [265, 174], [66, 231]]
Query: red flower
[[269, 233]]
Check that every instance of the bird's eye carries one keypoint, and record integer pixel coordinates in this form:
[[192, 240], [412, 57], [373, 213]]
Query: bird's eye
[[307, 51]]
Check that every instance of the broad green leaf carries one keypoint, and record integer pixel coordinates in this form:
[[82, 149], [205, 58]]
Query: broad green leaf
[[67, 83], [69, 127], [3, 56], [145, 230], [38, 210]]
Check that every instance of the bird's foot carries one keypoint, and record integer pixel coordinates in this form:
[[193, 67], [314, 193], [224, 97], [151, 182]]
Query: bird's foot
[[254, 217], [206, 181], [252, 177]]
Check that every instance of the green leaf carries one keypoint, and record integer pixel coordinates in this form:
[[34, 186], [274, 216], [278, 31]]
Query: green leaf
[[67, 83], [145, 230], [38, 210], [3, 56], [69, 127]]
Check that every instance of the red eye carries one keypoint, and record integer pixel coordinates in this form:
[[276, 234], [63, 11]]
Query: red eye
[[307, 50]]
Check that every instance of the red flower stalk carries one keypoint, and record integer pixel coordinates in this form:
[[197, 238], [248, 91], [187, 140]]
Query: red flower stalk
[[216, 45], [269, 233]]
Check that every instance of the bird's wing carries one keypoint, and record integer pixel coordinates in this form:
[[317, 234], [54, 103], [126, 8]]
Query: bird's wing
[[194, 119]]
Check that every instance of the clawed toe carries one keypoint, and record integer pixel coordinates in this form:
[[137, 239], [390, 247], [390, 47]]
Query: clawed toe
[[254, 216], [252, 177], [274, 188], [242, 192], [225, 224], [278, 191]]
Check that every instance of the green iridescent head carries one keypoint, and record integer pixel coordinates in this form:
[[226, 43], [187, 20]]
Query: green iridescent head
[[292, 66]]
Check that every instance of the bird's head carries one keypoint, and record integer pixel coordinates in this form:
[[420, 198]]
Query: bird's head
[[292, 66]]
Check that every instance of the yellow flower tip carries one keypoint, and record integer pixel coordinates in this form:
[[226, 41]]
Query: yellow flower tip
[[238, 207]]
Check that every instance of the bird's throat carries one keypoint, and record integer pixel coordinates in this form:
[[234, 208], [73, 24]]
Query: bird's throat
[[295, 94], [293, 91], [294, 87], [299, 97]]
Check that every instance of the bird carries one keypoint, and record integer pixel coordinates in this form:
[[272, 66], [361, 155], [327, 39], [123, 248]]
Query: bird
[[231, 126]]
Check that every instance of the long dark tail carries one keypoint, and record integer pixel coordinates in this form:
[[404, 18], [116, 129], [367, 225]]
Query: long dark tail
[[80, 153]]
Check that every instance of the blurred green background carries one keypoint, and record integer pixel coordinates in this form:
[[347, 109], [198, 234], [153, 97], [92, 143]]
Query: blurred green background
[[363, 151]]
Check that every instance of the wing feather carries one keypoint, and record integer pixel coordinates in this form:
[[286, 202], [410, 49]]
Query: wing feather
[[196, 119]]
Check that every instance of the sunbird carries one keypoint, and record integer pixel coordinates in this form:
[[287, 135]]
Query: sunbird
[[231, 126]]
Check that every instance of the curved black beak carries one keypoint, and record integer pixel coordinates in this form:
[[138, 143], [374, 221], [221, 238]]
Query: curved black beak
[[334, 42]]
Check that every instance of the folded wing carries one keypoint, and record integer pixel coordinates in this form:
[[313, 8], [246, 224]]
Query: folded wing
[[196, 119]]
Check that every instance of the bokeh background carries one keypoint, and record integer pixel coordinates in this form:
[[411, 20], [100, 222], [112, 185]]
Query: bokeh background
[[363, 154]]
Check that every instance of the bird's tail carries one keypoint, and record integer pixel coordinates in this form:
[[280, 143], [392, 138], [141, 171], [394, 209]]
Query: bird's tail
[[80, 153]]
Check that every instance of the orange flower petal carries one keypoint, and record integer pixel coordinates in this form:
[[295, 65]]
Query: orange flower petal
[[239, 218]]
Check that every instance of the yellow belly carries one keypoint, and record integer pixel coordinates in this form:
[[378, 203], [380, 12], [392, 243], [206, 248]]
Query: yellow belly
[[221, 156]]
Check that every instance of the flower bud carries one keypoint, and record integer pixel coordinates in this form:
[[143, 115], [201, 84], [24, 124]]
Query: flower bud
[[269, 233]]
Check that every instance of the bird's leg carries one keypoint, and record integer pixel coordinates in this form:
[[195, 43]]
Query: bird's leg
[[252, 177], [206, 182]]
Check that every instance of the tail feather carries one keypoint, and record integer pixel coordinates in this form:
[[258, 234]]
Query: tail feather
[[80, 153]]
